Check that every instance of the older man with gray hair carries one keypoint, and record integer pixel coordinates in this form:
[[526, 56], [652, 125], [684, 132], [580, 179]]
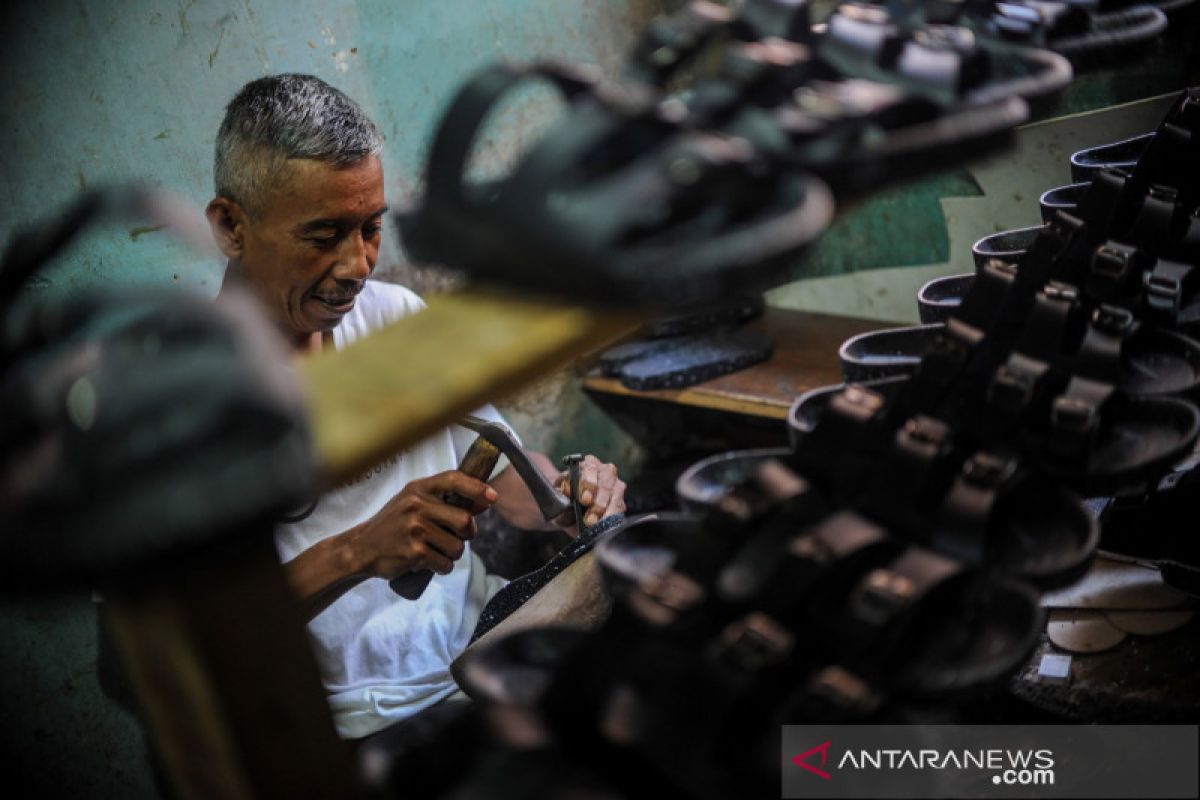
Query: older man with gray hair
[[298, 213]]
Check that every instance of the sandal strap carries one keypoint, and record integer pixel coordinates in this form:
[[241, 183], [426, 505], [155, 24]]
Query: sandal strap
[[670, 42], [849, 425], [1099, 354], [1075, 419], [1158, 219], [1167, 286], [811, 558], [1114, 270], [887, 593], [1052, 310], [963, 520], [918, 465]]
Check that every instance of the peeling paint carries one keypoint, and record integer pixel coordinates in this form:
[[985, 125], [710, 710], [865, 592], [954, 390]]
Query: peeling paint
[[213, 55], [141, 230]]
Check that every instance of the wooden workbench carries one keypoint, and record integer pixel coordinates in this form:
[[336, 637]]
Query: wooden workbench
[[804, 358]]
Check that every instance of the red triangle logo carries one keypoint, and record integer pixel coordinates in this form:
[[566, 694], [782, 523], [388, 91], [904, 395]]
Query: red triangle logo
[[800, 761]]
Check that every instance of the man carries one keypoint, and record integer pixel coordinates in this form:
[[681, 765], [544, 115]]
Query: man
[[298, 213]]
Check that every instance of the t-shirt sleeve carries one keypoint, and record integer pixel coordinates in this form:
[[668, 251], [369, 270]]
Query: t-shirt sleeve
[[395, 302], [464, 436]]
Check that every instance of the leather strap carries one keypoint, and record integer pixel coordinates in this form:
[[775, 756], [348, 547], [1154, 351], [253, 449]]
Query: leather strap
[[962, 527]]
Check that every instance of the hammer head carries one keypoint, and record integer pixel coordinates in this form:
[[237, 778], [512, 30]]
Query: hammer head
[[550, 501]]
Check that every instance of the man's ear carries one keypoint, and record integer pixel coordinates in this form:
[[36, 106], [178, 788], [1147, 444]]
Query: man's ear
[[227, 220]]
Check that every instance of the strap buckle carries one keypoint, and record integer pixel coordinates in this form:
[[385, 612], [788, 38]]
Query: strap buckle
[[857, 402], [1013, 384], [1063, 292], [1164, 288], [1073, 414], [923, 436], [756, 641], [1112, 260], [988, 470], [1167, 194], [882, 594], [1113, 320]]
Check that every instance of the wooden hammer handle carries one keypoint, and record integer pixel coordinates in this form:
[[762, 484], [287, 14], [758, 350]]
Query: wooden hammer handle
[[479, 462]]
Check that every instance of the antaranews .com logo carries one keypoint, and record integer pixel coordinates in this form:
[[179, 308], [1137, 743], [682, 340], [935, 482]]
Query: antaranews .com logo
[[985, 761], [1008, 767]]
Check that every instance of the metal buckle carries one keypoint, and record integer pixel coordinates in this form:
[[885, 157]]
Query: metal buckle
[[1112, 260], [1073, 414], [945, 36], [1060, 291], [860, 12], [857, 402], [1011, 388], [1165, 193], [1167, 287], [1002, 269], [881, 595], [842, 689], [988, 470], [1113, 319], [756, 641], [924, 436]]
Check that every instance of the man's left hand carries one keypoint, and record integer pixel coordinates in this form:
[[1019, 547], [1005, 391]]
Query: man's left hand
[[601, 492]]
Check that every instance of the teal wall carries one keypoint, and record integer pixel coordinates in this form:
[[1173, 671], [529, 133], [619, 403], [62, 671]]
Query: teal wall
[[95, 92], [906, 225]]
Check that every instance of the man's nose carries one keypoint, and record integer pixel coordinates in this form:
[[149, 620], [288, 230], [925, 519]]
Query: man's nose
[[355, 260]]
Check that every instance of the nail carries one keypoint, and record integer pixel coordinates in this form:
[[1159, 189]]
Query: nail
[[490, 494], [590, 520]]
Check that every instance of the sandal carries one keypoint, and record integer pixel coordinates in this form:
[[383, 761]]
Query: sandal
[[725, 226], [1155, 527], [1122, 155], [1072, 29], [884, 353], [1007, 246], [938, 298], [923, 625], [1062, 198]]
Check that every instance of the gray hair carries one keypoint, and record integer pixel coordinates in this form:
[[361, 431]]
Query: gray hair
[[282, 117]]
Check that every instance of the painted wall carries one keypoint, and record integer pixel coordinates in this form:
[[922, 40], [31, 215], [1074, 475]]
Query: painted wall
[[94, 92], [102, 91]]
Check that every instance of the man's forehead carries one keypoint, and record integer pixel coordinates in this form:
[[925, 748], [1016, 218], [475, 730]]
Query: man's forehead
[[310, 188]]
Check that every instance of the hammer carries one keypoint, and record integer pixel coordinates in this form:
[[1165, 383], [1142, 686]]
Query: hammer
[[479, 462]]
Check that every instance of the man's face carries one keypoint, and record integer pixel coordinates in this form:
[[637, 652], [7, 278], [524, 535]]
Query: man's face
[[312, 245]]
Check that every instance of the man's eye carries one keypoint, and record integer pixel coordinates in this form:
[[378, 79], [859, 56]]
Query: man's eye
[[372, 229], [322, 241]]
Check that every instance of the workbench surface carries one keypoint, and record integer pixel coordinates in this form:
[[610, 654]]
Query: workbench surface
[[804, 358]]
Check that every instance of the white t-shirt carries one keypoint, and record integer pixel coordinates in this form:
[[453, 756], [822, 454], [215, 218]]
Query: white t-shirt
[[384, 658]]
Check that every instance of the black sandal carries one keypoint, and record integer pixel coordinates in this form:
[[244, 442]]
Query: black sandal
[[725, 226], [1122, 155]]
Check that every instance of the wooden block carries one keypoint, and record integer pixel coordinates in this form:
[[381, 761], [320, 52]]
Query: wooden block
[[406, 381], [805, 357], [1116, 585]]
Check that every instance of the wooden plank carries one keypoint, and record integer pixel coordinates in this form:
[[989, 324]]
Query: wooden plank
[[223, 667], [408, 380], [805, 357]]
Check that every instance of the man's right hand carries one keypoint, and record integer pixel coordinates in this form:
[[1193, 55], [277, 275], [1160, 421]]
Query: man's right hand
[[418, 530]]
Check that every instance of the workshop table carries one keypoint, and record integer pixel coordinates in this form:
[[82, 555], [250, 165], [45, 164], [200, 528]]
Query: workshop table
[[745, 408]]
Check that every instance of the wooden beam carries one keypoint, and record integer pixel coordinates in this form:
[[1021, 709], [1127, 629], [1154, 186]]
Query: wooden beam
[[224, 672], [405, 381]]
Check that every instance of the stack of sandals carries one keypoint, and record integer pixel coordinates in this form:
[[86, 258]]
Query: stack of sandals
[[888, 566], [645, 197], [1138, 291]]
